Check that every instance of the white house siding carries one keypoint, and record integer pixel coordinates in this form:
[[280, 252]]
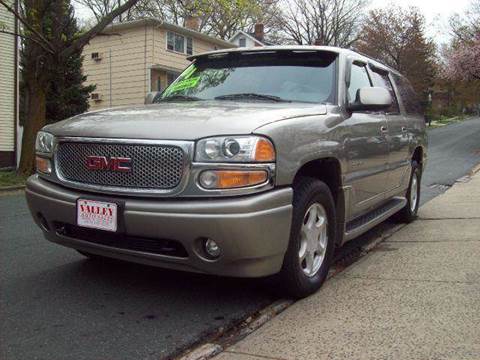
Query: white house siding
[[8, 89], [122, 74]]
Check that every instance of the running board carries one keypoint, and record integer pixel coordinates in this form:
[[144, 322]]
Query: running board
[[365, 222]]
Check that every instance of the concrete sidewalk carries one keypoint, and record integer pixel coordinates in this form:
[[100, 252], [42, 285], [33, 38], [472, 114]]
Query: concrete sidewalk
[[416, 296]]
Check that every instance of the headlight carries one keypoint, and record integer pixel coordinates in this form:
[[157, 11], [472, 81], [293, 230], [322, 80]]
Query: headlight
[[44, 143], [235, 149]]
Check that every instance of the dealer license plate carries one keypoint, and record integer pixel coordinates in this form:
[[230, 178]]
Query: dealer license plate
[[97, 214]]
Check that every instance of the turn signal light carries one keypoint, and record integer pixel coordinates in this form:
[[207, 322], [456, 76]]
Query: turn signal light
[[264, 151], [223, 179], [43, 165]]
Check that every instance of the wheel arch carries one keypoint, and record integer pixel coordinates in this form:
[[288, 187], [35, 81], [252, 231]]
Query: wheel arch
[[329, 171], [418, 156]]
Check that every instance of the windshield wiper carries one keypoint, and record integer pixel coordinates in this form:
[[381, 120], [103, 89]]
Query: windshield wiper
[[251, 96], [179, 97]]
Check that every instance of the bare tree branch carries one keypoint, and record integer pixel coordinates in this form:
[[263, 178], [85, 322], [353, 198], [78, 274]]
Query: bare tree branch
[[21, 36], [102, 24], [43, 42]]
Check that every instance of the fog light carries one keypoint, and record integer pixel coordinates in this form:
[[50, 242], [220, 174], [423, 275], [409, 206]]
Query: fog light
[[43, 165], [212, 248], [208, 179]]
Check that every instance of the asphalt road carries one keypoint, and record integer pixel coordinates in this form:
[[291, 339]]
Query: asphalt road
[[54, 304]]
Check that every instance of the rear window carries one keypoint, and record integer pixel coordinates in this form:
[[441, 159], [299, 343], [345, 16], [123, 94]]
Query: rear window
[[408, 95]]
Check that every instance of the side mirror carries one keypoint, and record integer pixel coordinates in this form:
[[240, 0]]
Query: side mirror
[[371, 98], [150, 96]]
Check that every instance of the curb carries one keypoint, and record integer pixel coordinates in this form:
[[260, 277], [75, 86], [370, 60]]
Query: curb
[[475, 170], [11, 188], [248, 326], [217, 344]]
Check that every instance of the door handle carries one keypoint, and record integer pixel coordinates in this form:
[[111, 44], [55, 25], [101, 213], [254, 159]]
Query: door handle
[[383, 129]]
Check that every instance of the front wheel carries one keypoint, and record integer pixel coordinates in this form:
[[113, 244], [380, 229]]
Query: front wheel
[[409, 212], [312, 238]]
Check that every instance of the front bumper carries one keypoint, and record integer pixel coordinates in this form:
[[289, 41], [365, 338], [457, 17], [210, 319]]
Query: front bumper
[[252, 231]]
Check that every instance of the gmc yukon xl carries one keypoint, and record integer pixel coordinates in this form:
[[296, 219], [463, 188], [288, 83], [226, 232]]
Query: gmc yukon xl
[[253, 162]]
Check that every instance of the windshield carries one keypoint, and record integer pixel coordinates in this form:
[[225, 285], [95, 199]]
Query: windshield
[[272, 76]]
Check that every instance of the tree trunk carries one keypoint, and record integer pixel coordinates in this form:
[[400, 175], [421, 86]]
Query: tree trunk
[[34, 121]]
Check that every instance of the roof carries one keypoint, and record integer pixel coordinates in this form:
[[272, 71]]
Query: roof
[[251, 36], [298, 48], [168, 26]]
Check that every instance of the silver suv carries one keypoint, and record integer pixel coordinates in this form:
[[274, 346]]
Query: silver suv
[[253, 162]]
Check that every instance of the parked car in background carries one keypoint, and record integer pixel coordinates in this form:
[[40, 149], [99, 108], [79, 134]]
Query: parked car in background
[[253, 162]]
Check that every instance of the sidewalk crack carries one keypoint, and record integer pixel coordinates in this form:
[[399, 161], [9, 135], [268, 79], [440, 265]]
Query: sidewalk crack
[[254, 355], [411, 280], [447, 218]]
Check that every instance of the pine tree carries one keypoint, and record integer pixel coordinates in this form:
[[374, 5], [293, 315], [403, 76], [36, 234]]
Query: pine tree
[[66, 95]]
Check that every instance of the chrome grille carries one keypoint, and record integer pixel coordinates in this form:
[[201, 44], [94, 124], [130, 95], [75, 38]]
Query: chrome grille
[[153, 166]]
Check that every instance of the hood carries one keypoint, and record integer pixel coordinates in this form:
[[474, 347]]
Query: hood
[[181, 120]]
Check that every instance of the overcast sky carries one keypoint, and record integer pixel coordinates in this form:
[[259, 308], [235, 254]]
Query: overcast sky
[[436, 12]]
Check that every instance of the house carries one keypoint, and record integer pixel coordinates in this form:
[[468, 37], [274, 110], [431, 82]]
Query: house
[[245, 39], [8, 88], [130, 59]]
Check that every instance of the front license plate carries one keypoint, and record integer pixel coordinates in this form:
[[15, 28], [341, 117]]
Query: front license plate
[[97, 214]]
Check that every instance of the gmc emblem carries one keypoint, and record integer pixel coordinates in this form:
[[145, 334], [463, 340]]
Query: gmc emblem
[[114, 163]]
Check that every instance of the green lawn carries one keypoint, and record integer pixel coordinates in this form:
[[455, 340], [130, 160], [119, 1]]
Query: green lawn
[[10, 178], [443, 121]]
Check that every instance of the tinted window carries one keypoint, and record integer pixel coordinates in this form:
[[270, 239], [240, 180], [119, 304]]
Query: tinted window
[[305, 77], [381, 79], [409, 97], [358, 79]]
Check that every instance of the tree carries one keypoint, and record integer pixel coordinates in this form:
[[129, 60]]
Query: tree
[[321, 22], [463, 61], [219, 18], [466, 26], [462, 57], [396, 37], [45, 50]]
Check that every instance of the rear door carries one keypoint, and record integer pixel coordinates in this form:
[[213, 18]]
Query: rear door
[[397, 136], [366, 148]]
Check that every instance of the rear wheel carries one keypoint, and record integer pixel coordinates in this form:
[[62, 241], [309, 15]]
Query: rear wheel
[[312, 238], [409, 212]]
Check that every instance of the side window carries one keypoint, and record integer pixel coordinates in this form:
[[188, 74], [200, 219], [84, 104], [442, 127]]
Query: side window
[[381, 79], [358, 79], [409, 97]]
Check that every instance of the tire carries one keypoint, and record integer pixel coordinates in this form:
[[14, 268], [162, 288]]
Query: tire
[[302, 274], [409, 212]]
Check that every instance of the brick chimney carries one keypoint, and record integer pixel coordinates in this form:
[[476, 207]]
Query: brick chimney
[[192, 22], [259, 32], [318, 42]]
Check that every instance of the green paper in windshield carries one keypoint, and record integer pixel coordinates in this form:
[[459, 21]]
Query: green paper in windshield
[[189, 72], [183, 85]]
